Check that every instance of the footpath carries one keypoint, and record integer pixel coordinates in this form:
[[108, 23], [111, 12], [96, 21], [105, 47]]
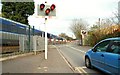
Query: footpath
[[37, 64]]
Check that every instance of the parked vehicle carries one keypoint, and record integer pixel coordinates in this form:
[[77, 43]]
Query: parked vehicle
[[105, 56]]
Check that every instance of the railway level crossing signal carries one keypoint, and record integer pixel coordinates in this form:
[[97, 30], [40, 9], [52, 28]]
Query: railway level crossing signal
[[46, 10]]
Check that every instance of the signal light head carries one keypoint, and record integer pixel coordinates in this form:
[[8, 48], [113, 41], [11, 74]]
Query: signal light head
[[47, 11], [42, 6], [83, 32], [52, 7]]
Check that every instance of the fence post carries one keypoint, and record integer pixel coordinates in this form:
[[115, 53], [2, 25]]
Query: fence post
[[33, 30], [21, 43], [29, 38]]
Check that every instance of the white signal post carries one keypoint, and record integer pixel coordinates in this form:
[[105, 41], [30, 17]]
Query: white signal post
[[46, 11], [46, 42], [46, 38]]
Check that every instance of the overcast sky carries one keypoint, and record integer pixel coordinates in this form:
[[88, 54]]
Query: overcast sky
[[89, 10]]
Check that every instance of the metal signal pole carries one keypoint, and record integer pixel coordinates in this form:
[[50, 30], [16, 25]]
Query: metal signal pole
[[46, 39], [46, 11]]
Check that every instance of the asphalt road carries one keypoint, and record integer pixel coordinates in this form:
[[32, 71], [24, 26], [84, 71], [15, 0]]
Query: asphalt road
[[75, 56], [37, 64], [72, 52]]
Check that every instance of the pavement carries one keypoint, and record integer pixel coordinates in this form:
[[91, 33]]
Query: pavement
[[55, 63]]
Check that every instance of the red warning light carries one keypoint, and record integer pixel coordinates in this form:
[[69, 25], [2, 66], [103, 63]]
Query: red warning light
[[83, 32], [52, 7], [42, 6], [47, 11]]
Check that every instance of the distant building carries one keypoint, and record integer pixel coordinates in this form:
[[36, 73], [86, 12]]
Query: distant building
[[119, 11]]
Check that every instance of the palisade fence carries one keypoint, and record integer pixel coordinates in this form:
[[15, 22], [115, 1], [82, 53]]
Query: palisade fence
[[26, 45], [34, 43], [17, 38]]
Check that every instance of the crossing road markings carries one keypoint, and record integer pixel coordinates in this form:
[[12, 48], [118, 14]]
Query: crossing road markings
[[45, 67], [39, 67], [81, 70], [76, 49], [45, 70], [83, 67], [76, 68]]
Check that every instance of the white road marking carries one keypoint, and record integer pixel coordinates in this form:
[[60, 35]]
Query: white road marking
[[80, 69], [84, 67], [64, 58], [76, 68], [45, 70], [45, 67], [39, 67], [76, 49]]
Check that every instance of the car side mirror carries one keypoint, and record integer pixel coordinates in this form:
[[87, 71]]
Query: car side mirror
[[94, 50]]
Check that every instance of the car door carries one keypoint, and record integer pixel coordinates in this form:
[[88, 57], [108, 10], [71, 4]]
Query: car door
[[97, 56], [112, 58]]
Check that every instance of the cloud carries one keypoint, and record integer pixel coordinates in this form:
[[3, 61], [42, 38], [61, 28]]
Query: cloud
[[90, 10]]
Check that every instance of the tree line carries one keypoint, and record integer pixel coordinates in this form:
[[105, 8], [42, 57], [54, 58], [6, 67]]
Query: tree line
[[104, 28], [17, 11]]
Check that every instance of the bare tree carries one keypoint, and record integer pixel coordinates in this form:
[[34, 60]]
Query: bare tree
[[77, 25], [116, 18], [106, 23], [63, 35]]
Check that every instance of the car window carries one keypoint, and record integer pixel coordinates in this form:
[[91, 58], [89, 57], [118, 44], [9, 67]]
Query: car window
[[114, 47], [102, 47]]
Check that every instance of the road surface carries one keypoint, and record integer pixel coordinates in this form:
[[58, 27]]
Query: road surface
[[75, 56]]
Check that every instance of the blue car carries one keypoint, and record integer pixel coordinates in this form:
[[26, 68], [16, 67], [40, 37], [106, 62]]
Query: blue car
[[105, 56]]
